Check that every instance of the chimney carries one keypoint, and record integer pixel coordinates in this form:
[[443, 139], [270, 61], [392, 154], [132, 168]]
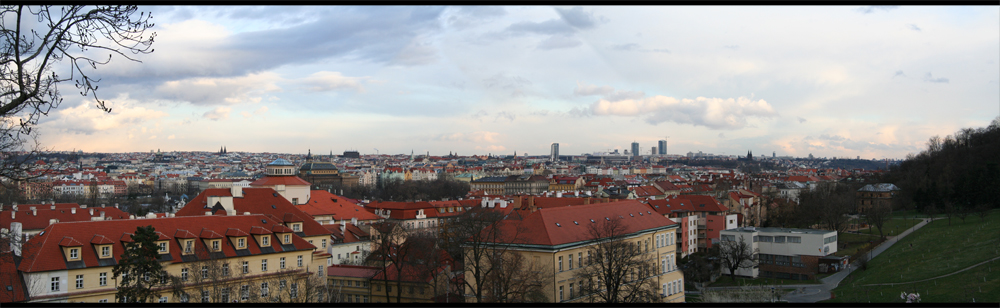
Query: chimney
[[103, 205], [52, 207], [208, 213], [52, 221], [12, 214], [230, 212], [102, 215], [83, 206], [343, 226], [170, 215], [244, 213], [34, 211], [116, 205], [72, 210], [91, 212], [237, 191], [354, 221], [15, 233]]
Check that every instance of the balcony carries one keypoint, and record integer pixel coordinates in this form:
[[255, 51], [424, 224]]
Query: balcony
[[702, 227], [701, 235]]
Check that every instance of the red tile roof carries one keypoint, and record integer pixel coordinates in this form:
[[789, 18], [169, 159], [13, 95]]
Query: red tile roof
[[10, 277], [565, 225], [44, 253], [351, 271], [63, 213], [279, 180], [257, 201]]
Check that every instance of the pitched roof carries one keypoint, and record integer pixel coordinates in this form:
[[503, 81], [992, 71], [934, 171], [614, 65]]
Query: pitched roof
[[63, 213], [45, 254], [279, 180], [569, 225], [263, 201], [322, 202], [353, 271]]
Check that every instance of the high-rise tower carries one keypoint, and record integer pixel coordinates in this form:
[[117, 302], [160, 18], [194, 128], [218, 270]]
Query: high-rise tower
[[662, 147], [554, 156], [635, 148]]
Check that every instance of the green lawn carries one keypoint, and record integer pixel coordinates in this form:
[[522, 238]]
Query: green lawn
[[725, 281], [893, 226], [937, 249], [850, 243]]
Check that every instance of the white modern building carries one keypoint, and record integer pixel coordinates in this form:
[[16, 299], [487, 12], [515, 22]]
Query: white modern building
[[785, 253]]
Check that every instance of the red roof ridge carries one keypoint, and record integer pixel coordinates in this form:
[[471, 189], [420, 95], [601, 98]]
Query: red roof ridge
[[259, 230], [69, 242], [206, 233], [235, 232], [181, 233], [101, 239]]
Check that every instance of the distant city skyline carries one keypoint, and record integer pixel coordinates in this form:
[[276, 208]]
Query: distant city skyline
[[831, 81]]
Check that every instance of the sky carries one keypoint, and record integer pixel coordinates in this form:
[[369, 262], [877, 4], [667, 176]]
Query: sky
[[832, 81]]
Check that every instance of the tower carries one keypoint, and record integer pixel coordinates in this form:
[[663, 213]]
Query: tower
[[635, 148], [662, 147], [554, 156]]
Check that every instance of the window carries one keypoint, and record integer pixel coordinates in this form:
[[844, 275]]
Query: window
[[184, 274], [215, 245], [665, 290], [588, 257], [282, 284], [579, 259], [364, 298], [421, 290], [240, 243], [163, 247], [79, 281], [663, 265], [728, 238], [263, 289], [779, 239], [265, 240], [560, 265], [225, 269], [794, 239], [830, 239], [288, 238], [74, 253], [388, 288], [281, 263], [224, 293], [184, 298], [103, 301], [294, 290], [244, 292], [103, 279], [323, 242], [561, 293], [188, 246], [263, 265], [295, 200], [570, 261], [766, 239], [204, 296], [570, 290], [299, 261], [145, 276], [204, 272], [105, 251], [163, 299], [319, 271], [296, 227], [246, 267]]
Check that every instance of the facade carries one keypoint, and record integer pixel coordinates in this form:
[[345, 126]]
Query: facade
[[662, 147], [784, 253], [557, 239], [280, 176], [554, 156], [73, 262], [511, 184], [875, 195], [350, 283], [635, 148]]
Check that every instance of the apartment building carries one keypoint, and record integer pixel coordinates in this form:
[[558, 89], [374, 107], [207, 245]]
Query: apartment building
[[558, 241], [784, 253], [253, 257]]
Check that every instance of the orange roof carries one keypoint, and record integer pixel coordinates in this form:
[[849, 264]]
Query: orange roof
[[43, 252], [568, 225], [63, 213], [279, 180], [263, 201], [324, 203]]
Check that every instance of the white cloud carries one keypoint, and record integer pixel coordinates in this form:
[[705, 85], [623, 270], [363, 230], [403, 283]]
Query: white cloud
[[330, 81], [221, 91], [476, 137], [715, 113], [87, 119], [220, 113]]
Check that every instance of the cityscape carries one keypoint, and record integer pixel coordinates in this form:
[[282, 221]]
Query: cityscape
[[571, 155]]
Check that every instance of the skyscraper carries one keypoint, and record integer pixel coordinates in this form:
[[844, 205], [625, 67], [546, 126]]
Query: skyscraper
[[663, 147], [554, 156], [635, 148]]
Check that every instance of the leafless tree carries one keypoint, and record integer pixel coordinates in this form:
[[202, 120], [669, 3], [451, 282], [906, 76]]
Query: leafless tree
[[485, 235], [983, 210], [950, 210], [877, 214], [736, 254], [36, 38], [517, 280], [619, 270], [390, 253]]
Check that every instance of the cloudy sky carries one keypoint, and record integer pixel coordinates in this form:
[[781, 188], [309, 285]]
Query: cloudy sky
[[831, 81]]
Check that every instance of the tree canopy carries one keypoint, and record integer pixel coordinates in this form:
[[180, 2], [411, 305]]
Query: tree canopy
[[139, 268]]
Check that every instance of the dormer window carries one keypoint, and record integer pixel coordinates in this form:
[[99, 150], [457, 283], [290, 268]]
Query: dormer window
[[74, 253], [241, 243], [215, 245], [188, 247], [297, 227], [105, 251], [163, 247], [288, 239], [265, 240]]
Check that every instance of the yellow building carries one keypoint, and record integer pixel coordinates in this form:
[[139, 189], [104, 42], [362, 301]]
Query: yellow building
[[247, 258], [562, 244]]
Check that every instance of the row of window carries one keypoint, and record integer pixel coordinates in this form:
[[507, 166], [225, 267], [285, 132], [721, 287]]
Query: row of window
[[103, 277], [579, 260], [780, 260], [673, 287], [388, 288], [664, 240]]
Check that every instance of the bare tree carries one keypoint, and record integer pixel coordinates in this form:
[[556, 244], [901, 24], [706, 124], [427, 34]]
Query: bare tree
[[950, 210], [735, 255], [36, 38], [983, 210], [619, 270], [390, 253], [517, 280], [485, 236], [877, 215]]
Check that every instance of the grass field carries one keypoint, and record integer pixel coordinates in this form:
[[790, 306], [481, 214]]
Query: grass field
[[893, 226], [851, 243], [725, 281], [934, 250]]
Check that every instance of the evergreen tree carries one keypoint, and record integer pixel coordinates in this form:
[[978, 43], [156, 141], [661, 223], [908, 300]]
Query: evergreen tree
[[139, 268]]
